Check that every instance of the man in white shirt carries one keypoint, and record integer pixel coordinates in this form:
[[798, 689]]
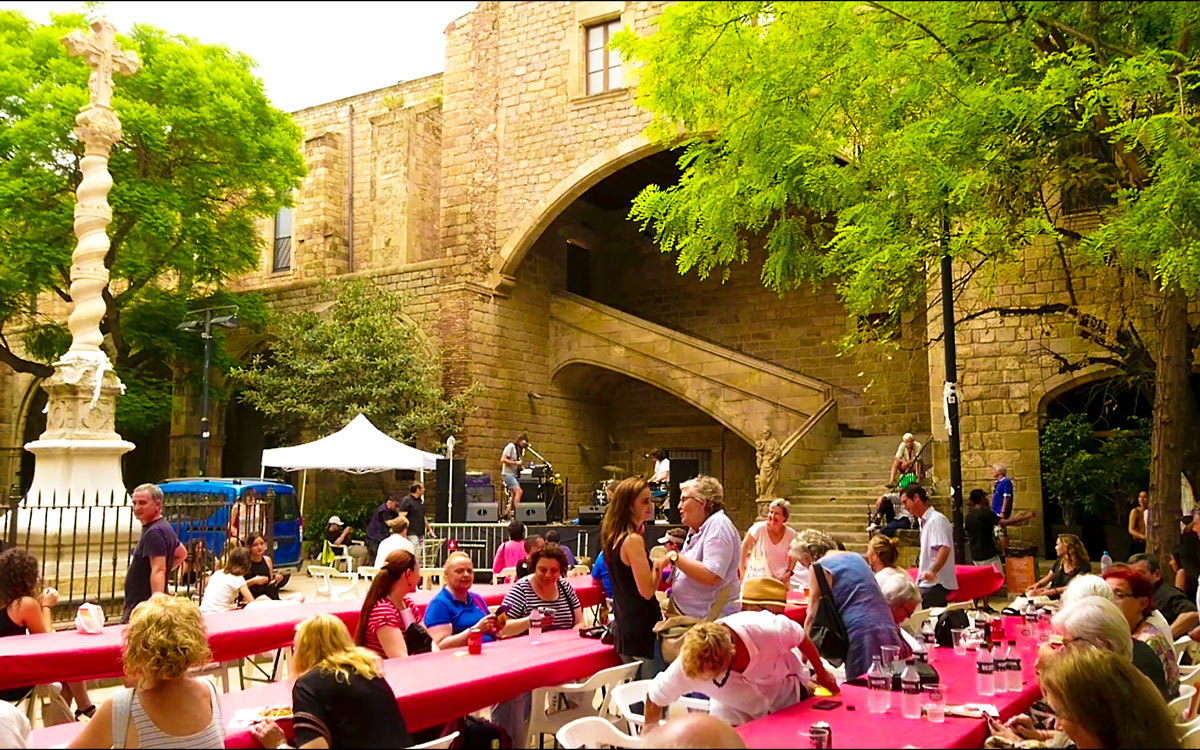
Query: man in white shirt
[[907, 460], [746, 663], [936, 577], [398, 539]]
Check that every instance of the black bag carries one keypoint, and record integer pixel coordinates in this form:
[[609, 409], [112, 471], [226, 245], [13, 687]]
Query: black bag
[[477, 733], [828, 632], [951, 619]]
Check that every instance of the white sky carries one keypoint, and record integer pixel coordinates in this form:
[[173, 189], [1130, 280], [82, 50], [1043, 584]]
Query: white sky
[[307, 52]]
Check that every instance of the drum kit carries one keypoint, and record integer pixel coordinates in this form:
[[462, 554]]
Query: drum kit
[[601, 497]]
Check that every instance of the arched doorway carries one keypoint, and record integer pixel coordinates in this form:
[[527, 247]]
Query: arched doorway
[[35, 425]]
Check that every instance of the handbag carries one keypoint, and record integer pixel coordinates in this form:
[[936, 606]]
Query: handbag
[[671, 630], [828, 632], [951, 619]]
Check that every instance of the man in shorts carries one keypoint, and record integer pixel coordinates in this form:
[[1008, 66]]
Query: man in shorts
[[510, 472]]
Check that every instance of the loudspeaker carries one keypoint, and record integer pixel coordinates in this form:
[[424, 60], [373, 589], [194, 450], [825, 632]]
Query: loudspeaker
[[534, 491], [482, 513], [590, 514], [481, 495], [444, 483], [531, 512]]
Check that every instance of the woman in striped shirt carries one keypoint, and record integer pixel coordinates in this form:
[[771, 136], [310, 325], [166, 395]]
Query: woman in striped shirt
[[546, 590], [389, 623]]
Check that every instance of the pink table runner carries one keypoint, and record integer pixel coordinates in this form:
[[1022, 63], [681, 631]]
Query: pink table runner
[[434, 688], [859, 728], [68, 655]]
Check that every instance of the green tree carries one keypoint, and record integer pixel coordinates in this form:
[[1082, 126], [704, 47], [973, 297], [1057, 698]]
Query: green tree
[[843, 138], [361, 356], [204, 156], [1090, 476]]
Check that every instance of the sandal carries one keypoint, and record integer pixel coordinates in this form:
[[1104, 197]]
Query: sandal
[[89, 712]]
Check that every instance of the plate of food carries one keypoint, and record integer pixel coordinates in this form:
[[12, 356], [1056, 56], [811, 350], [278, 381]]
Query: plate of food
[[245, 717]]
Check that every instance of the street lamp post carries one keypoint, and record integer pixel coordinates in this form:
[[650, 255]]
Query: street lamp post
[[204, 325]]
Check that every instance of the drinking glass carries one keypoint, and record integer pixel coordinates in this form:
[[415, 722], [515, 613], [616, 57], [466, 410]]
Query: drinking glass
[[1044, 628], [960, 645], [934, 703], [890, 655]]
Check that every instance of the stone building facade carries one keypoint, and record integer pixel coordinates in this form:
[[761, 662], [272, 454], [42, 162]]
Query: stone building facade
[[491, 195]]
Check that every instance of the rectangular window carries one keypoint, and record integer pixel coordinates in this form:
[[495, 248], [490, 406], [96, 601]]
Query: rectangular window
[[603, 64], [282, 260]]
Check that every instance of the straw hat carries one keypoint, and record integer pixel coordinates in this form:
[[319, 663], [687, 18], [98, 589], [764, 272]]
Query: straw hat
[[763, 591]]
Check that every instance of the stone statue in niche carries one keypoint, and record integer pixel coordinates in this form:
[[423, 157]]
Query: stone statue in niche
[[769, 454]]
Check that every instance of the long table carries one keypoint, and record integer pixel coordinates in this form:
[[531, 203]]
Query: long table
[[853, 726], [433, 688], [67, 656]]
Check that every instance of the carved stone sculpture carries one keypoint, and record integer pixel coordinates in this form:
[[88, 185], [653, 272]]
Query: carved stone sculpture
[[769, 454]]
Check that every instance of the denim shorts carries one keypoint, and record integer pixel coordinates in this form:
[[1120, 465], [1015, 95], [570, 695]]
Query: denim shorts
[[511, 482]]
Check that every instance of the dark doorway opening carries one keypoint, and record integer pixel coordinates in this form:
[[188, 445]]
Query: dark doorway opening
[[579, 270]]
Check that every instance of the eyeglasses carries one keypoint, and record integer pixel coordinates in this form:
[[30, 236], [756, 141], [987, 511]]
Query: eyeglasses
[[725, 679], [688, 497], [1119, 595]]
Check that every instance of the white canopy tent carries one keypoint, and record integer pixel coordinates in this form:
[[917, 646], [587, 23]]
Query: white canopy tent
[[358, 448]]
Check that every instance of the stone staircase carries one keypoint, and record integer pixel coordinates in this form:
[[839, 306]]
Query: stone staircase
[[835, 496]]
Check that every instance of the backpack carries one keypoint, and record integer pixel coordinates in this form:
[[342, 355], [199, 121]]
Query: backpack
[[951, 619], [476, 733]]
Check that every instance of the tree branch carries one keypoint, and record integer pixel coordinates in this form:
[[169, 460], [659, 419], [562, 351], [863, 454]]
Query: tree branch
[[20, 364], [918, 24], [1091, 41]]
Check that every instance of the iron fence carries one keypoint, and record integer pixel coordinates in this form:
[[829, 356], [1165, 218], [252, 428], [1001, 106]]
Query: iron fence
[[481, 540], [84, 542]]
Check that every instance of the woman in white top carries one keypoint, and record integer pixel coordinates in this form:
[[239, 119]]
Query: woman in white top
[[899, 590], [224, 587], [397, 540], [765, 547], [165, 638]]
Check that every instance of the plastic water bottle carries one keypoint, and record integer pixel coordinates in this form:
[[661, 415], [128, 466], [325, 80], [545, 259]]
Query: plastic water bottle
[[1014, 668], [985, 671], [1105, 562], [910, 691], [1000, 668], [535, 625], [879, 700]]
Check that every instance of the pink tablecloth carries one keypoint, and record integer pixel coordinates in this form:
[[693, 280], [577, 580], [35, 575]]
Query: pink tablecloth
[[974, 582], [859, 728], [432, 689], [68, 655]]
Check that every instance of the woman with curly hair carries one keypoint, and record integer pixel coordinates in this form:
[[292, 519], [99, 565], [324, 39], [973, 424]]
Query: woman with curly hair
[[340, 698], [22, 604], [166, 708], [1072, 561]]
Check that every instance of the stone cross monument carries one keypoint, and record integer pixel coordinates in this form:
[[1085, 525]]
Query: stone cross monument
[[80, 451]]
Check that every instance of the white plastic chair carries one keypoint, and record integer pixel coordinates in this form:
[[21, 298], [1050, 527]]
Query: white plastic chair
[[594, 731], [541, 722], [629, 693], [439, 742], [1191, 737], [506, 575], [1190, 679], [325, 587], [1180, 704], [431, 578], [364, 574]]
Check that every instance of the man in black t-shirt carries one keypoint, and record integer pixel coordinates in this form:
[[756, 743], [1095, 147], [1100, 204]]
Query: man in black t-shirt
[[981, 524], [412, 507], [1176, 607], [158, 550]]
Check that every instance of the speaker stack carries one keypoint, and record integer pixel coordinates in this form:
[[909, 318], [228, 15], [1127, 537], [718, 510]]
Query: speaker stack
[[590, 515]]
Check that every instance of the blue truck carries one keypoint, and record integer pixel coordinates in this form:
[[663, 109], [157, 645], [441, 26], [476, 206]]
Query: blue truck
[[200, 508]]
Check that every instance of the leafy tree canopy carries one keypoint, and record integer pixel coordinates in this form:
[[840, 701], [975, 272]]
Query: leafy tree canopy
[[203, 157], [362, 355]]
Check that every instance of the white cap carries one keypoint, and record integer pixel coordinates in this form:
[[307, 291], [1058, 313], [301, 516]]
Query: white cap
[[335, 519]]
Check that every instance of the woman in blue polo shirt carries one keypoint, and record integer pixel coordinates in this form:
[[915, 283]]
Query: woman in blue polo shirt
[[455, 610]]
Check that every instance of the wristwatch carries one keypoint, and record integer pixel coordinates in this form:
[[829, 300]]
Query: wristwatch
[[672, 557]]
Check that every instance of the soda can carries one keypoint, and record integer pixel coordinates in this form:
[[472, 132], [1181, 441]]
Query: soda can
[[820, 736], [474, 641]]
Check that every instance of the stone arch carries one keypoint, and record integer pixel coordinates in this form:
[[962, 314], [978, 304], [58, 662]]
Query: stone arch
[[1061, 384], [561, 195], [28, 426]]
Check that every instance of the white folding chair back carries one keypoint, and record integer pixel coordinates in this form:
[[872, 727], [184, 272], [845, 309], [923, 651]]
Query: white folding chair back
[[325, 586], [1180, 704], [1190, 679], [367, 571], [913, 623], [1181, 645], [506, 575], [594, 731], [623, 698], [439, 742], [541, 722]]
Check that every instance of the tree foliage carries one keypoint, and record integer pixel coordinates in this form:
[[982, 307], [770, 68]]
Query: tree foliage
[[203, 157], [1086, 475], [363, 355], [859, 142]]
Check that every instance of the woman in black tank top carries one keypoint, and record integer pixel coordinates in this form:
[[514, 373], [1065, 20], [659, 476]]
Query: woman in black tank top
[[263, 570], [633, 580]]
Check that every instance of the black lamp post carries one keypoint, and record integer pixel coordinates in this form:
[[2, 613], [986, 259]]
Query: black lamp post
[[204, 325]]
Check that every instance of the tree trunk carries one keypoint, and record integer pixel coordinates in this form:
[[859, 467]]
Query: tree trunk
[[1173, 402]]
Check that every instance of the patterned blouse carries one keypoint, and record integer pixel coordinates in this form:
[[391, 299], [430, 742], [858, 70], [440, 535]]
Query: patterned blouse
[[1164, 649]]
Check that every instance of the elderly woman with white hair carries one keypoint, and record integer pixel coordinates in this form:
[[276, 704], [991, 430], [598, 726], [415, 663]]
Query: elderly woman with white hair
[[705, 577], [1093, 585], [856, 597], [765, 546]]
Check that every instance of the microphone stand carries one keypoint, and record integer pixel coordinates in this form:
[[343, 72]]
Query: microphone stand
[[549, 468]]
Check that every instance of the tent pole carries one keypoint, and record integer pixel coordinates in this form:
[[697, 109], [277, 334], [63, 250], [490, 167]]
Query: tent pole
[[303, 487]]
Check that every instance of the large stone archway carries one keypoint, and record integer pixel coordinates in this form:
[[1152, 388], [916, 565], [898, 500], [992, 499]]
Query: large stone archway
[[558, 198]]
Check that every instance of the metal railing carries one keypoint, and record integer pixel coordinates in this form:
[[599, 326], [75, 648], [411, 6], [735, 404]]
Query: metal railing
[[481, 540], [83, 543]]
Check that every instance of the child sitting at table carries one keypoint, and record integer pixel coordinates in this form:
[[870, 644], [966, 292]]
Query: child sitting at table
[[226, 586]]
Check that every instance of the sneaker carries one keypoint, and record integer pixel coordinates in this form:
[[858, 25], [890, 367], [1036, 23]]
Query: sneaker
[[872, 528]]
